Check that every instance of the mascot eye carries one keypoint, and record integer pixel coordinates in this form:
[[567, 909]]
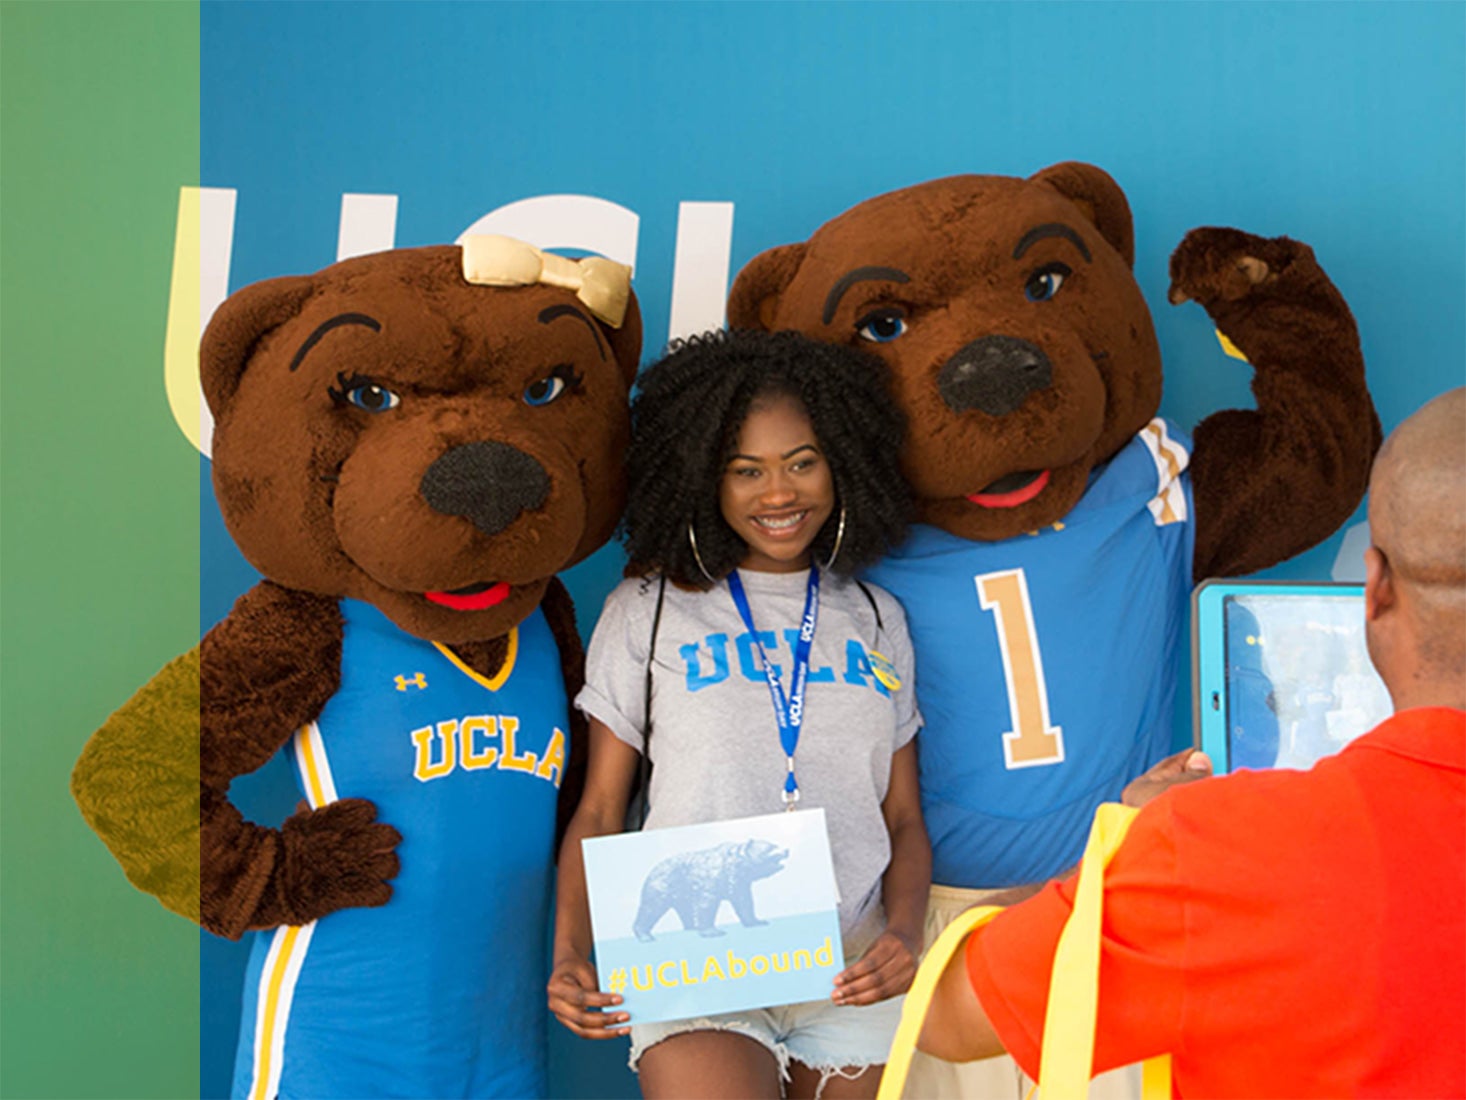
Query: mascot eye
[[882, 326], [363, 393], [1044, 283], [551, 386]]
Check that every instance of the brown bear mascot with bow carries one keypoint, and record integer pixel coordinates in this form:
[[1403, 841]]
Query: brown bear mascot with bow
[[1063, 522], [408, 446]]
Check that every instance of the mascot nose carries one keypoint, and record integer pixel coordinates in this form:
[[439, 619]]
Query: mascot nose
[[994, 375], [487, 483]]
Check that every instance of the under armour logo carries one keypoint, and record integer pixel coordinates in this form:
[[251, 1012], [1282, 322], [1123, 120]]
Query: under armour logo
[[417, 679]]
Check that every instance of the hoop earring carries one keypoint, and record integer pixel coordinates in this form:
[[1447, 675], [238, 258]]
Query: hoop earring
[[692, 541], [839, 537]]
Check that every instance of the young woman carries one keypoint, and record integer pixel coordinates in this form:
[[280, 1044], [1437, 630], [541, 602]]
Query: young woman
[[763, 470]]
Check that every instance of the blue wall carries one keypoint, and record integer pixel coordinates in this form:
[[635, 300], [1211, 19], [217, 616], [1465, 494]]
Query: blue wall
[[1339, 124]]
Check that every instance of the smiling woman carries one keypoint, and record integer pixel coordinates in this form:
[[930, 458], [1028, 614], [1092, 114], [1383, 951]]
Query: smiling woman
[[694, 404], [764, 469]]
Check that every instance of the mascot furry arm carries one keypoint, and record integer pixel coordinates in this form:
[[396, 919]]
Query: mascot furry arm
[[389, 433], [1271, 482]]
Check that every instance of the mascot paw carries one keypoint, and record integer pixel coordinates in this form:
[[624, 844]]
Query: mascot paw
[[338, 857], [1226, 265]]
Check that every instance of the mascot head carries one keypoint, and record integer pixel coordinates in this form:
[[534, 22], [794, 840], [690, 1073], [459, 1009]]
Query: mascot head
[[1020, 347], [435, 431]]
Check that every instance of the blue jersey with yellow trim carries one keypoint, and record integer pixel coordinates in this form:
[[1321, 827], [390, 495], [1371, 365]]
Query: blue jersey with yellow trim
[[441, 991], [1046, 665]]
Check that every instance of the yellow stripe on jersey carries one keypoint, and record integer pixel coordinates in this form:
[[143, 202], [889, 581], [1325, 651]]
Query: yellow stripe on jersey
[[269, 1020], [315, 768], [1169, 503], [1165, 448], [288, 949], [498, 681]]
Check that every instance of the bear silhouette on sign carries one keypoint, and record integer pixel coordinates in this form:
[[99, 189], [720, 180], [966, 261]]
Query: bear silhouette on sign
[[697, 883]]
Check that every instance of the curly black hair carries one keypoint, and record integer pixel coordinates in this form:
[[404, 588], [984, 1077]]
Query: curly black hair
[[685, 421]]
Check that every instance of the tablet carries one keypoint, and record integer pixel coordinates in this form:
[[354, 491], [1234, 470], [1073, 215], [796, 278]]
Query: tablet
[[1281, 675]]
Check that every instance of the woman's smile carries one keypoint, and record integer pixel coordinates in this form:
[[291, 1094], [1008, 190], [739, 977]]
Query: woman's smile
[[783, 524]]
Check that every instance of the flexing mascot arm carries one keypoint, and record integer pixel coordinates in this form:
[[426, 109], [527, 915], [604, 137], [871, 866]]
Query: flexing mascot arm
[[154, 780], [1273, 481]]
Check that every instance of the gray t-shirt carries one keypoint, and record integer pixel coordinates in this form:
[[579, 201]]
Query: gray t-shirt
[[715, 742]]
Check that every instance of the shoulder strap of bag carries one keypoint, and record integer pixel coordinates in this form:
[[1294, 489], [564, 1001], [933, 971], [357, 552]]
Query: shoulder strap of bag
[[872, 600], [644, 773], [919, 996], [1067, 1058]]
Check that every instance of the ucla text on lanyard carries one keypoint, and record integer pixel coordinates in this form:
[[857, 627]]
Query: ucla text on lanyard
[[788, 712]]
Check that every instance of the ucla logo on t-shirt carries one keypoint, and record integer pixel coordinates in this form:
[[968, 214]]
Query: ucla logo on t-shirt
[[710, 661], [884, 670], [479, 741]]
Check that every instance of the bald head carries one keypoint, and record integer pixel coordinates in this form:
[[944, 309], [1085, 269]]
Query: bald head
[[1417, 494], [1417, 522]]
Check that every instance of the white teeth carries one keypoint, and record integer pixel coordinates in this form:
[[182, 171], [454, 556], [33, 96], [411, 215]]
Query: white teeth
[[781, 523]]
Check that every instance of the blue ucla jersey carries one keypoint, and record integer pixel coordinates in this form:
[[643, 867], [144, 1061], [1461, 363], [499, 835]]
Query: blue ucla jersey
[[440, 992], [1046, 665]]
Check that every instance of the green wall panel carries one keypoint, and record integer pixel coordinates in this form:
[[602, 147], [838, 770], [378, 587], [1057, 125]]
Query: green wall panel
[[98, 528]]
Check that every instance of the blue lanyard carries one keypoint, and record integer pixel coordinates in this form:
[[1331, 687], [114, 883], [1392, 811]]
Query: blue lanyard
[[789, 712]]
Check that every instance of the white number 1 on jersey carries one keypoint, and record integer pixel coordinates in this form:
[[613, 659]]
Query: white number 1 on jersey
[[1032, 741]]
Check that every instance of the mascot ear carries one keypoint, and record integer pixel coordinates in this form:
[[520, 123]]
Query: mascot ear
[[236, 327], [1100, 198], [755, 295], [626, 341]]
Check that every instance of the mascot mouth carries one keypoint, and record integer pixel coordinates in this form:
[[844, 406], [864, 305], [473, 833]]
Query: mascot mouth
[[1012, 490], [473, 597]]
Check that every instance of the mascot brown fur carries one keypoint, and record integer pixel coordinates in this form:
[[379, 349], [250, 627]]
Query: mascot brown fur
[[393, 438], [1024, 357]]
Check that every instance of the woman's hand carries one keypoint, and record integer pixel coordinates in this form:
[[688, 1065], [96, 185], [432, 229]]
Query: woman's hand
[[580, 1006], [889, 965], [574, 998], [885, 970]]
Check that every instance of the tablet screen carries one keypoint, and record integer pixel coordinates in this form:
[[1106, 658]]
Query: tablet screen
[[1299, 684]]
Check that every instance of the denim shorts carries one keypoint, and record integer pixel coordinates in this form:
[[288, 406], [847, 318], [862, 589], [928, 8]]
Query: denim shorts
[[820, 1034]]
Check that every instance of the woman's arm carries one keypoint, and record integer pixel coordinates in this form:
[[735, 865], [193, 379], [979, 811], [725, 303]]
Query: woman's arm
[[886, 969], [574, 997]]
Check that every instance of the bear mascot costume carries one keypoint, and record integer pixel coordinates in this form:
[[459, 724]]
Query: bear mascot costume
[[1062, 522], [408, 446]]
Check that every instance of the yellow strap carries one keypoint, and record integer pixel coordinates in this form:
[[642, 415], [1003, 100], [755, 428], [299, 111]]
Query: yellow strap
[[919, 997], [1067, 1057], [1155, 1078]]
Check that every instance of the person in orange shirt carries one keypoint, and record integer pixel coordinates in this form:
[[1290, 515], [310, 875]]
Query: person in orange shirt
[[1284, 933]]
